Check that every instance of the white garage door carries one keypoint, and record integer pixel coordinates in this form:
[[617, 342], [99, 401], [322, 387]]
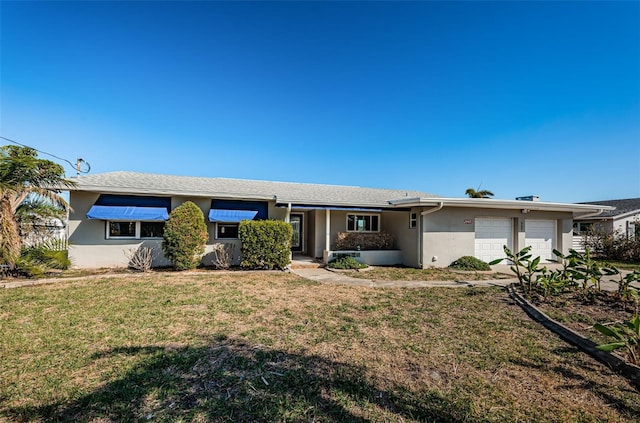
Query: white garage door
[[541, 236], [492, 234]]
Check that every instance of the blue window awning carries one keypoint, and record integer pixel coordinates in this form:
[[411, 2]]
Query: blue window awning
[[128, 213], [231, 216]]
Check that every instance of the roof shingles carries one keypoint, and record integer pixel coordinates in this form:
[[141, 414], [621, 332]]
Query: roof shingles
[[623, 206], [283, 192]]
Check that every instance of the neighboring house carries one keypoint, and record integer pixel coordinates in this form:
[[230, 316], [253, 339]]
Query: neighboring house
[[46, 231], [624, 219], [118, 211]]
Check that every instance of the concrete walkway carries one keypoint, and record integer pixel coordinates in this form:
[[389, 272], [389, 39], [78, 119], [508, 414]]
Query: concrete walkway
[[326, 276], [323, 275]]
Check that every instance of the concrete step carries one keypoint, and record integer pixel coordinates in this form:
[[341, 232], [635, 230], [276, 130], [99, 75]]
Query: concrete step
[[301, 262], [306, 265]]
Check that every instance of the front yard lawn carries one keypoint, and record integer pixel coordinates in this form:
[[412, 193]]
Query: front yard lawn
[[229, 347], [380, 273]]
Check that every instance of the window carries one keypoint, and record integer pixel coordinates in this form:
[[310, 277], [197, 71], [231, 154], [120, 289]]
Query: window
[[227, 230], [633, 229], [363, 223], [582, 228], [151, 229], [122, 230], [135, 229], [413, 220]]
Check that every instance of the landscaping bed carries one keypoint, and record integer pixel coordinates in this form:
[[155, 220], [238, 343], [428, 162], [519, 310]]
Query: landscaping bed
[[580, 312], [272, 347]]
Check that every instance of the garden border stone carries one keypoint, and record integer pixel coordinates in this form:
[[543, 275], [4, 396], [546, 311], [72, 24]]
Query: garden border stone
[[614, 361]]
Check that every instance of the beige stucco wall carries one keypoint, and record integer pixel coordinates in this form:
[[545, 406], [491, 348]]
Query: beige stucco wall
[[405, 238], [89, 247], [446, 237]]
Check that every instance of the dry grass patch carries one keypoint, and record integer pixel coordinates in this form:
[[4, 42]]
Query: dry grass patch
[[272, 347], [429, 274]]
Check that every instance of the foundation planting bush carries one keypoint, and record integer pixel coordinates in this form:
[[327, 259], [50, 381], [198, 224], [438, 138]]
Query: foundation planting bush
[[185, 235], [37, 261], [364, 241], [470, 263], [345, 262], [266, 244]]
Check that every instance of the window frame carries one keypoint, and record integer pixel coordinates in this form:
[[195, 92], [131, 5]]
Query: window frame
[[376, 215], [217, 228], [137, 230]]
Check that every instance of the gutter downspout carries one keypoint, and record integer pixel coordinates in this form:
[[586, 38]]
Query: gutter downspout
[[420, 234], [287, 216], [592, 214]]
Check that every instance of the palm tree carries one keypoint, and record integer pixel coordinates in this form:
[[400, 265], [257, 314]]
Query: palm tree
[[23, 175], [472, 193]]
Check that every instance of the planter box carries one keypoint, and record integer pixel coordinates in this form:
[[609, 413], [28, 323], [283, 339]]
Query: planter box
[[370, 257]]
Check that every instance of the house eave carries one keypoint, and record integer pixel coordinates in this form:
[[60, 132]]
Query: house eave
[[614, 217], [488, 203]]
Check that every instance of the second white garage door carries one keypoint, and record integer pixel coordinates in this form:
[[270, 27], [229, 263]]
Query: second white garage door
[[541, 236], [492, 234]]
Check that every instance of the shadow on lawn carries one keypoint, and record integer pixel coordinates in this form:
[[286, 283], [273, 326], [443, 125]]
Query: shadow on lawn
[[231, 380]]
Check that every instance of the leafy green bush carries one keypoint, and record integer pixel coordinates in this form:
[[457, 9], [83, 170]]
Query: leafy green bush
[[36, 261], [344, 261], [185, 236], [470, 263], [266, 244], [364, 241]]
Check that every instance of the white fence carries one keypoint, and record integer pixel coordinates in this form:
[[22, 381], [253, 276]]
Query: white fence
[[578, 243]]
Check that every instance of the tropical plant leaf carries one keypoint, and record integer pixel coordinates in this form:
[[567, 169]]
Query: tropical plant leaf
[[609, 331], [611, 347]]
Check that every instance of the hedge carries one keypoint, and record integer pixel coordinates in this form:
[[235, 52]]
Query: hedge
[[266, 244], [364, 241]]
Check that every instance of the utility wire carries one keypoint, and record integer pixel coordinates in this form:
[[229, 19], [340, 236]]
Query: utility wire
[[74, 166]]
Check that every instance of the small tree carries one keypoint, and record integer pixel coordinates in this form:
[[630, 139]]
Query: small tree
[[185, 235]]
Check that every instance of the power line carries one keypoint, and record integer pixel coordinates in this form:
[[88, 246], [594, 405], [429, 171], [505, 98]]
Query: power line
[[75, 166]]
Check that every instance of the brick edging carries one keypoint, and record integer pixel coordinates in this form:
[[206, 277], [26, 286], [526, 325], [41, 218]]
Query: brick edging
[[615, 362]]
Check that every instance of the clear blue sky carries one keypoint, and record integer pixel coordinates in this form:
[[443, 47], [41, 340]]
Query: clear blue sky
[[520, 97]]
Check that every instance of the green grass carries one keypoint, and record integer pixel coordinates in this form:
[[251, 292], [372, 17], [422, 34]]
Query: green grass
[[622, 265], [272, 347]]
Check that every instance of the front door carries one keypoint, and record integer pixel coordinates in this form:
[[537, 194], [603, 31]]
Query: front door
[[296, 224]]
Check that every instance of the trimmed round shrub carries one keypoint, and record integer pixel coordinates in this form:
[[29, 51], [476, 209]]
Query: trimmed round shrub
[[345, 262], [185, 235], [470, 263]]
